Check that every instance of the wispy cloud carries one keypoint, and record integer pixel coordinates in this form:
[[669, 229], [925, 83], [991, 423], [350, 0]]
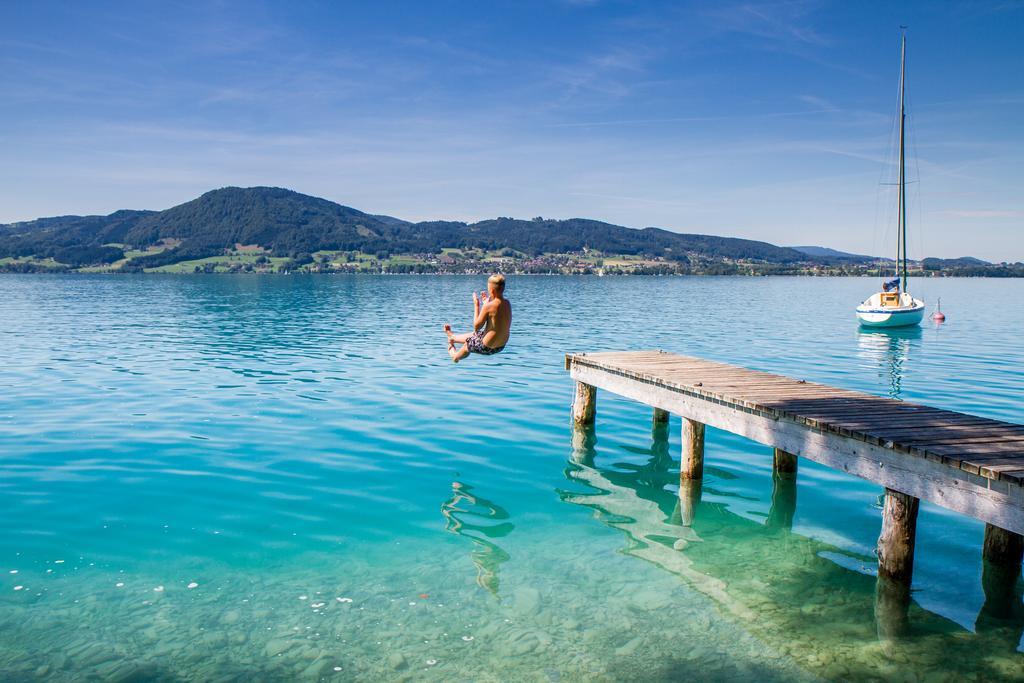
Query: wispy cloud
[[786, 22], [610, 72], [980, 213], [632, 200], [458, 57], [752, 116], [818, 103]]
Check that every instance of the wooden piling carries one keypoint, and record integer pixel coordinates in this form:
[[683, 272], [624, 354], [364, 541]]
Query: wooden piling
[[783, 508], [584, 404], [784, 463], [1003, 549], [691, 465], [660, 416], [896, 542]]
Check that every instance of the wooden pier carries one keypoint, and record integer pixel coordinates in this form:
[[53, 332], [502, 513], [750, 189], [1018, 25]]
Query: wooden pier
[[969, 464]]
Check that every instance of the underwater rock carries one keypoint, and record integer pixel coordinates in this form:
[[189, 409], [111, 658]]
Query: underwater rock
[[230, 617], [397, 661], [490, 630], [629, 648], [647, 600], [215, 639], [527, 600], [134, 672], [277, 646], [524, 646], [316, 670], [94, 655]]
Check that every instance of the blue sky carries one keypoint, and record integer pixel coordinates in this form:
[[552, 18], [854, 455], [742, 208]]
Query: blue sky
[[766, 120]]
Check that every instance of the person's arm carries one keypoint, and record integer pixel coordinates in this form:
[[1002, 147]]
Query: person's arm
[[481, 313]]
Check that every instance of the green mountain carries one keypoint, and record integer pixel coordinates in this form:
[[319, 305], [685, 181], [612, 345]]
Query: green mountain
[[286, 223], [962, 262], [71, 240]]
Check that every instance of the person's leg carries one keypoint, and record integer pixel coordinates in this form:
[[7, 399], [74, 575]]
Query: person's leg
[[460, 354], [456, 338]]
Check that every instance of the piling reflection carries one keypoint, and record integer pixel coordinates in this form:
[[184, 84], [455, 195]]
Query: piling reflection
[[487, 556], [584, 445], [690, 491], [887, 351], [800, 596], [783, 508], [1002, 615], [892, 613]]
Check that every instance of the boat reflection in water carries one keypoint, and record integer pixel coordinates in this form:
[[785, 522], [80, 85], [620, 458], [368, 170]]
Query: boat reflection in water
[[461, 512], [798, 595], [887, 352]]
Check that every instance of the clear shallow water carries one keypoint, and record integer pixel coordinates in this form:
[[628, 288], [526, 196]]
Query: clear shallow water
[[282, 442]]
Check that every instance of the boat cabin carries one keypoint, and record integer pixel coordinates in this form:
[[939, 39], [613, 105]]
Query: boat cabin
[[890, 299]]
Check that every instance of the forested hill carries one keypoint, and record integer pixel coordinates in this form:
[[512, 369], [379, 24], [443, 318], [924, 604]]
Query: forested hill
[[286, 223]]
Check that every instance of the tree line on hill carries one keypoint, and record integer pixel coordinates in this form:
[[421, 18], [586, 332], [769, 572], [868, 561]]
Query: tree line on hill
[[287, 223]]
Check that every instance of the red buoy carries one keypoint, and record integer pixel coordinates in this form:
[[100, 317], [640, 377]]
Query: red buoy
[[938, 316]]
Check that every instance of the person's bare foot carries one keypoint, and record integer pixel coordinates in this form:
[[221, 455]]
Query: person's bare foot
[[448, 331]]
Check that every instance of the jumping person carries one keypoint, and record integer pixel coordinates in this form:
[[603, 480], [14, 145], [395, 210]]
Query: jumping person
[[492, 323]]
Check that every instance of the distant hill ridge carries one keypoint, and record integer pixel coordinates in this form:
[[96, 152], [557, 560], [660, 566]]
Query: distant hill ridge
[[285, 222], [836, 254]]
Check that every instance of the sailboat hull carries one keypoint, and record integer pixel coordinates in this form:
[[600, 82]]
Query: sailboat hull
[[903, 316]]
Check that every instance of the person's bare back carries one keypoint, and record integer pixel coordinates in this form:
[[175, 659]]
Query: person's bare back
[[492, 323]]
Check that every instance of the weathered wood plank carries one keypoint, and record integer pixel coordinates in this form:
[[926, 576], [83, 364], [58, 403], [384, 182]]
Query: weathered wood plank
[[954, 440], [867, 418], [958, 426], [911, 424], [976, 449]]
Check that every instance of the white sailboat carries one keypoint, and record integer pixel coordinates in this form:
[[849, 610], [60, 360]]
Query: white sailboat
[[894, 306]]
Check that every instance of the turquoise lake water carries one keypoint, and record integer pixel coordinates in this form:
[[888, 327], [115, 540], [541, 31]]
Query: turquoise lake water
[[272, 478]]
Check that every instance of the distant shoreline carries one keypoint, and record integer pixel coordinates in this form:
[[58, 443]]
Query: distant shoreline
[[112, 273], [267, 229]]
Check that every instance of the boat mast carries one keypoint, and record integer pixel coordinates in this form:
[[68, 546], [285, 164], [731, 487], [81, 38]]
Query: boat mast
[[901, 236]]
